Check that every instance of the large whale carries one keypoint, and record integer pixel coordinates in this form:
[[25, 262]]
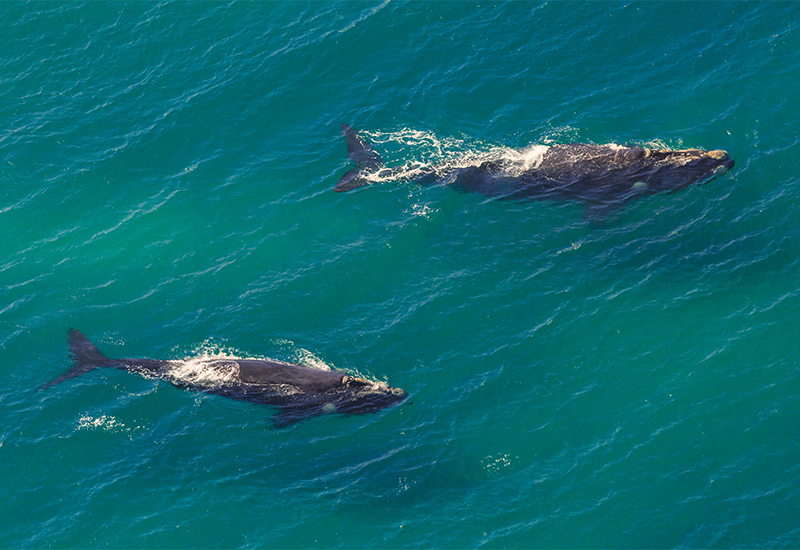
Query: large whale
[[298, 392], [601, 176]]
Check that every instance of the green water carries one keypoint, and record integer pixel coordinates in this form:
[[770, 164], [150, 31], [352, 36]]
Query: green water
[[167, 188]]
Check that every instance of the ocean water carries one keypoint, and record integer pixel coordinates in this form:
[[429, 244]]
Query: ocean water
[[166, 187]]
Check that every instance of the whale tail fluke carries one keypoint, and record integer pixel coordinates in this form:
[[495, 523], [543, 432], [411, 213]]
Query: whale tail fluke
[[84, 354], [366, 159]]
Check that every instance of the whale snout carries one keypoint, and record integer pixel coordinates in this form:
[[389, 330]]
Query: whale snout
[[722, 163], [725, 162], [399, 393], [371, 398], [387, 393], [707, 165]]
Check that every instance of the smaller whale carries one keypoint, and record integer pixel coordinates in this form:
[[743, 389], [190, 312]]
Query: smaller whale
[[603, 177], [298, 392]]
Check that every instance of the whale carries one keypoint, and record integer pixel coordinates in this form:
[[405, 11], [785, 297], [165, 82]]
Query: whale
[[602, 177], [297, 391]]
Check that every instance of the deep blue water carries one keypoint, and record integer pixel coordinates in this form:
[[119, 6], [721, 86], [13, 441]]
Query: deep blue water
[[166, 187]]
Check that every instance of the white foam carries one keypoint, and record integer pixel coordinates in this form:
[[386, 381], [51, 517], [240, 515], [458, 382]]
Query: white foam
[[421, 153], [308, 359], [527, 158], [204, 371], [103, 422]]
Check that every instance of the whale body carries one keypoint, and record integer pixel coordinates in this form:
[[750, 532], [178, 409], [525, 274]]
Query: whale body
[[601, 176], [298, 392]]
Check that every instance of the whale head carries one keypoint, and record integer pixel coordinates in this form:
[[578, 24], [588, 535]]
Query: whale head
[[351, 395], [675, 170], [361, 396]]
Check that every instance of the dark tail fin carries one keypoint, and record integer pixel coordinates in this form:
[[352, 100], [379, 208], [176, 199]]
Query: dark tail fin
[[366, 159], [85, 355]]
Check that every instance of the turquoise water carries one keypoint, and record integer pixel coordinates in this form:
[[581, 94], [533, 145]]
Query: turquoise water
[[167, 173]]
